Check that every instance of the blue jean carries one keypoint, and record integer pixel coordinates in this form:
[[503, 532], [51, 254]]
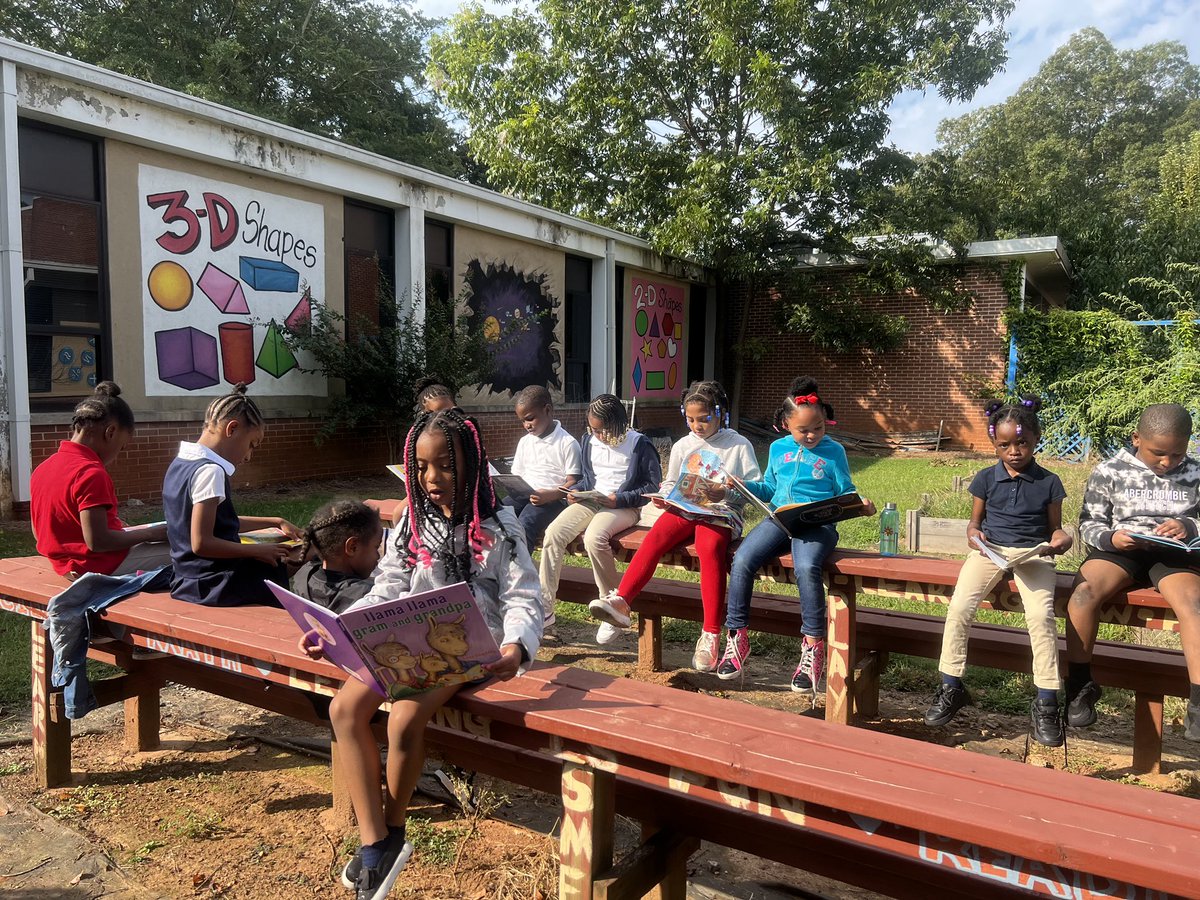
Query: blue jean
[[535, 519], [809, 551]]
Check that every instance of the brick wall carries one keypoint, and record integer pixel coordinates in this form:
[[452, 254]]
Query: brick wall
[[934, 374]]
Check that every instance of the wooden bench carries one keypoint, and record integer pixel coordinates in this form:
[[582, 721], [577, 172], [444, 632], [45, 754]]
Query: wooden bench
[[890, 815]]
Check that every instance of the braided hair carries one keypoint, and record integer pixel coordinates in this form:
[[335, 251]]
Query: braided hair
[[1023, 412], [104, 405], [803, 392], [427, 534], [335, 523], [234, 405], [614, 422], [432, 388], [711, 395]]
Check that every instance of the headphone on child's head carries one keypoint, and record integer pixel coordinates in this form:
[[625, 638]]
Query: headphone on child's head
[[716, 408]]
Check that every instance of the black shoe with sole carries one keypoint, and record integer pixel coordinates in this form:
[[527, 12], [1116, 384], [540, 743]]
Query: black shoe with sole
[[1047, 722], [351, 870], [1081, 706], [946, 703], [375, 883]]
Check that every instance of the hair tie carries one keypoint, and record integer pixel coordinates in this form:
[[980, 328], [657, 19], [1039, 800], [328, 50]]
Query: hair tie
[[1027, 403], [809, 399]]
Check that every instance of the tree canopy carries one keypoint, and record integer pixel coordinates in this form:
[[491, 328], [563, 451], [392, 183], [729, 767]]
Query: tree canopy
[[715, 129], [349, 69]]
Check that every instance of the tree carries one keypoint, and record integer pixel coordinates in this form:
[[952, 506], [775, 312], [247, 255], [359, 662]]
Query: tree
[[349, 69], [1075, 152], [721, 131]]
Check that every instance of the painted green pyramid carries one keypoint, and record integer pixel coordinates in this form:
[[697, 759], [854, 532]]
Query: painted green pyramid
[[274, 357]]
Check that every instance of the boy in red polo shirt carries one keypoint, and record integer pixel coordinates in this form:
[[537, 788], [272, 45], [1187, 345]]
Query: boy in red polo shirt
[[73, 505]]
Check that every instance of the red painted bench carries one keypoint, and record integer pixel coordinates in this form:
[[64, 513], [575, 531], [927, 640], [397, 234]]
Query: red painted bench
[[898, 817]]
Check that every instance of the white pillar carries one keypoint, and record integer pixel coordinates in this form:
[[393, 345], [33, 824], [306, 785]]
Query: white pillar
[[15, 437], [410, 261], [604, 321]]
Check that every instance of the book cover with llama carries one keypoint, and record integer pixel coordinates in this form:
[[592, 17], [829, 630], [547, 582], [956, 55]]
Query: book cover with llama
[[406, 646]]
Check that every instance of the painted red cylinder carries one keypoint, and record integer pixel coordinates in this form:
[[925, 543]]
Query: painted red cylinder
[[237, 351]]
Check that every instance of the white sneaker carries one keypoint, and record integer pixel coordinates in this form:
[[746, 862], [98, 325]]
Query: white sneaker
[[705, 657], [612, 609], [607, 633]]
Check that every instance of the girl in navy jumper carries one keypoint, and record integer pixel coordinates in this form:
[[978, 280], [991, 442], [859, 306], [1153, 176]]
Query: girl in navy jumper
[[622, 467], [212, 566]]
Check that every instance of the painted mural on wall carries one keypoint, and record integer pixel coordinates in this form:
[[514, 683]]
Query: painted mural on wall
[[519, 318], [656, 359], [225, 270]]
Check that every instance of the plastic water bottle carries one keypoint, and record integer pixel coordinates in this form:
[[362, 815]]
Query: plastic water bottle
[[889, 530]]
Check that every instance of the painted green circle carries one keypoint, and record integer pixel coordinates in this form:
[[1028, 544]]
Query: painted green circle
[[641, 322]]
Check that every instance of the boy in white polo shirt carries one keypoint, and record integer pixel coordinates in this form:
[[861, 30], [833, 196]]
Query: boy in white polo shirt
[[547, 458]]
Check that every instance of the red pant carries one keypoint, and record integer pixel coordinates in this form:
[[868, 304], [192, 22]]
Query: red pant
[[712, 545]]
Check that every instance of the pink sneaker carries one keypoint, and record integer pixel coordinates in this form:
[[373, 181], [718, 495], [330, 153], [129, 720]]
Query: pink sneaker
[[810, 674], [705, 657], [737, 651]]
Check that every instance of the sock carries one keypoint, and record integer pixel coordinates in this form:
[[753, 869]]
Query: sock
[[1194, 695], [373, 853], [1078, 674], [1048, 694], [953, 680]]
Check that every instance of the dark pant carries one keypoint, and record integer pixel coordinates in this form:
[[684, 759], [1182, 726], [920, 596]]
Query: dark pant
[[535, 519]]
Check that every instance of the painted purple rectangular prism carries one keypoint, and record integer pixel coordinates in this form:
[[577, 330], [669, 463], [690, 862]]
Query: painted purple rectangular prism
[[187, 358], [268, 274]]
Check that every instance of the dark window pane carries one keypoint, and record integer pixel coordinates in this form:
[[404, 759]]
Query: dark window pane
[[38, 348], [65, 232], [577, 386], [55, 163], [439, 240]]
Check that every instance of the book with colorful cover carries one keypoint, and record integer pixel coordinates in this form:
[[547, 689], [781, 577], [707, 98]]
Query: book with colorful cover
[[1189, 546], [268, 536], [795, 517], [403, 647], [701, 473], [398, 471]]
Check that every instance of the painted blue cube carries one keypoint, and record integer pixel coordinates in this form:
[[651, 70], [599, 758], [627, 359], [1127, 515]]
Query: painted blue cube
[[268, 274]]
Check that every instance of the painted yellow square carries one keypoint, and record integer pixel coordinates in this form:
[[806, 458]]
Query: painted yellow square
[[679, 331]]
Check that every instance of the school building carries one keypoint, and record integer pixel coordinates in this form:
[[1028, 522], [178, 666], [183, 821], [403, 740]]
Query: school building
[[168, 243]]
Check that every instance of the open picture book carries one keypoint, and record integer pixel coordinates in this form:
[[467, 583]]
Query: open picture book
[[268, 536], [992, 552], [700, 474], [795, 517], [1189, 546], [402, 647]]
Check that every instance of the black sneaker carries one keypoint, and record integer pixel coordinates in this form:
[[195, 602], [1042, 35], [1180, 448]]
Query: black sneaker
[[1191, 722], [1081, 708], [946, 703], [1047, 722], [350, 871], [375, 883]]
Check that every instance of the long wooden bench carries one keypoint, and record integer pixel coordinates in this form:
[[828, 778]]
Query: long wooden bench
[[891, 815]]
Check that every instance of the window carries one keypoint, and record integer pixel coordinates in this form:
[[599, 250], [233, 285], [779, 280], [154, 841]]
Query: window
[[439, 271], [62, 233], [697, 326], [577, 384], [370, 269]]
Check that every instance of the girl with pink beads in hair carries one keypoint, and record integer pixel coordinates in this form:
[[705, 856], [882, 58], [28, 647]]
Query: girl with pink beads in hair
[[453, 530]]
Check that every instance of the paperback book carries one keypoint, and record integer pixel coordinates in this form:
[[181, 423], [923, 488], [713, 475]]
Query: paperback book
[[514, 485], [1189, 546], [268, 536], [993, 553], [793, 518], [402, 647]]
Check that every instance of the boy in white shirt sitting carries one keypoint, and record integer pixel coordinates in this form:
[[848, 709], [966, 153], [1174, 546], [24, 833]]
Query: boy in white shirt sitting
[[547, 458]]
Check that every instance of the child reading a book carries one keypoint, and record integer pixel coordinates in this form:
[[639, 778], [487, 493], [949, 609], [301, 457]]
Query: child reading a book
[[709, 448], [804, 466], [212, 566], [345, 536], [548, 459], [73, 506], [1152, 490], [620, 467], [453, 531], [1016, 514]]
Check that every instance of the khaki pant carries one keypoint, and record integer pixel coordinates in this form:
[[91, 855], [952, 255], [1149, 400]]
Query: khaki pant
[[1036, 581], [598, 526]]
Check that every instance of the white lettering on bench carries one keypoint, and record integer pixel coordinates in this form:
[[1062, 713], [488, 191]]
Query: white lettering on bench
[[194, 653], [737, 796], [1035, 877], [20, 609], [465, 722]]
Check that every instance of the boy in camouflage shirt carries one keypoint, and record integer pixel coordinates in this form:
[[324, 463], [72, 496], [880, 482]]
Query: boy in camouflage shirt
[[1153, 490]]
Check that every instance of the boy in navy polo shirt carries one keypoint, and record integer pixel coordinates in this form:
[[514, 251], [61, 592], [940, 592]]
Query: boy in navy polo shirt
[[1016, 520]]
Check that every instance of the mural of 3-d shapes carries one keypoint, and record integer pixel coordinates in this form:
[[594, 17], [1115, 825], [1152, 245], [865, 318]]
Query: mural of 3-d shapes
[[301, 314], [656, 351], [275, 357], [187, 358], [170, 285], [224, 291], [237, 351], [268, 274]]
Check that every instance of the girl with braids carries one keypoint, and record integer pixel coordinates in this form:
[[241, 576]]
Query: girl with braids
[[345, 536], [212, 566], [453, 530], [433, 395], [803, 466], [622, 466], [73, 507], [1016, 507], [709, 448]]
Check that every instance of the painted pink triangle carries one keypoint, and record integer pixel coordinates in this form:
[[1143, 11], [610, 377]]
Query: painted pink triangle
[[237, 302], [301, 315]]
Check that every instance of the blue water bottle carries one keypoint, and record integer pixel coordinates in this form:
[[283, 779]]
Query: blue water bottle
[[889, 530]]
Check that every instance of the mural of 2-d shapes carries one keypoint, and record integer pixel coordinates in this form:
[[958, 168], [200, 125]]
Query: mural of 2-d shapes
[[657, 362]]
